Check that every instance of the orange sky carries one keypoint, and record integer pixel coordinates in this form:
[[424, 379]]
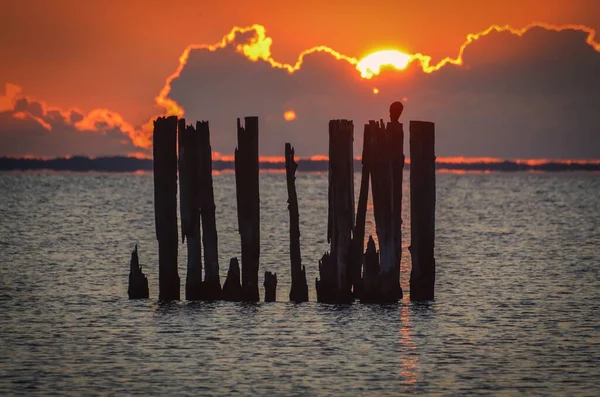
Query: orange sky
[[116, 55]]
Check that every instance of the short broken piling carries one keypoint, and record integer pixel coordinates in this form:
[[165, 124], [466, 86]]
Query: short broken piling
[[248, 205], [270, 285], [138, 282], [211, 288], [422, 210], [232, 289], [189, 208], [299, 290], [164, 148]]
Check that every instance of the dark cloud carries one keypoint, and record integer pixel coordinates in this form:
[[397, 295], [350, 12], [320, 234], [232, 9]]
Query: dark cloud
[[534, 96], [30, 129]]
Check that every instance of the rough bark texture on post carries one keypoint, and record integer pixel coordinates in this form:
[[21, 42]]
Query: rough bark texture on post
[[341, 206], [189, 208], [299, 291], [232, 289], [422, 210], [138, 282], [248, 205], [164, 150], [358, 240], [270, 285], [211, 288]]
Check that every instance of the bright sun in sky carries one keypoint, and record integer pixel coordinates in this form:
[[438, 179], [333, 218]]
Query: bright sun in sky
[[371, 65]]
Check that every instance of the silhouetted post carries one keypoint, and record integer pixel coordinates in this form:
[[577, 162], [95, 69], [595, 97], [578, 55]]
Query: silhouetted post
[[299, 291], [341, 205], [164, 149], [138, 282], [212, 283], [270, 285], [422, 210], [232, 289], [358, 240], [382, 184], [189, 208], [248, 204], [395, 136]]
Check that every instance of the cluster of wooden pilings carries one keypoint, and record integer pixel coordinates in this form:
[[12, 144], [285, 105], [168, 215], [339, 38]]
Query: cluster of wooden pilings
[[347, 272]]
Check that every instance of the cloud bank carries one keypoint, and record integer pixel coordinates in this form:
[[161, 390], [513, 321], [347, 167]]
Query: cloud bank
[[529, 93]]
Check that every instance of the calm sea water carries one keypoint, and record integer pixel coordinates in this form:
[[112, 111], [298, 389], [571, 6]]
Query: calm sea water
[[517, 304]]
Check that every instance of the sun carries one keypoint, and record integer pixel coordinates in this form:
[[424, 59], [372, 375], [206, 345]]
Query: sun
[[371, 65]]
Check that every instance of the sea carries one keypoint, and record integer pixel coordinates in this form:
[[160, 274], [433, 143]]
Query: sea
[[516, 311]]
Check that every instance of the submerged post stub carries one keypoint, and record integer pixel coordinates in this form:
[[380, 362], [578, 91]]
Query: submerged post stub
[[138, 282], [248, 205], [422, 210], [164, 149]]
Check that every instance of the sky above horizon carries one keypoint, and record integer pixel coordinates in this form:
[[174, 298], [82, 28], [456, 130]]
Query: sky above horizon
[[87, 78]]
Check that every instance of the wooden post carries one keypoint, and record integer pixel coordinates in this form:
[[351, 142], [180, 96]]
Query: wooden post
[[232, 289], [138, 282], [248, 205], [341, 205], [422, 210], [299, 291], [358, 240], [164, 149], [212, 283], [395, 136], [270, 285], [189, 208]]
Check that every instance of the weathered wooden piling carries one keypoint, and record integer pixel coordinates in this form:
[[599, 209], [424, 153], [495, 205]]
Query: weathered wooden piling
[[164, 150], [422, 210], [248, 205], [299, 290], [232, 289], [358, 239], [395, 135], [138, 282], [382, 184], [270, 285], [341, 208], [189, 207], [211, 288]]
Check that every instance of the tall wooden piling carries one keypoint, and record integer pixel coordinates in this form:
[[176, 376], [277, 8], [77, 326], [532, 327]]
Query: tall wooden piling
[[341, 206], [299, 290], [358, 240], [248, 205], [212, 284], [422, 210], [382, 184], [164, 150], [395, 136], [189, 208]]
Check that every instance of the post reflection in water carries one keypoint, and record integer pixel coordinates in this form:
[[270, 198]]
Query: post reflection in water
[[409, 360]]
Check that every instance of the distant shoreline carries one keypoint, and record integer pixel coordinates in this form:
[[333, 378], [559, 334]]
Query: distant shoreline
[[133, 164]]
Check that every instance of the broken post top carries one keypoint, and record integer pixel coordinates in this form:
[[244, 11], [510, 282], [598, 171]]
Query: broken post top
[[396, 109]]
